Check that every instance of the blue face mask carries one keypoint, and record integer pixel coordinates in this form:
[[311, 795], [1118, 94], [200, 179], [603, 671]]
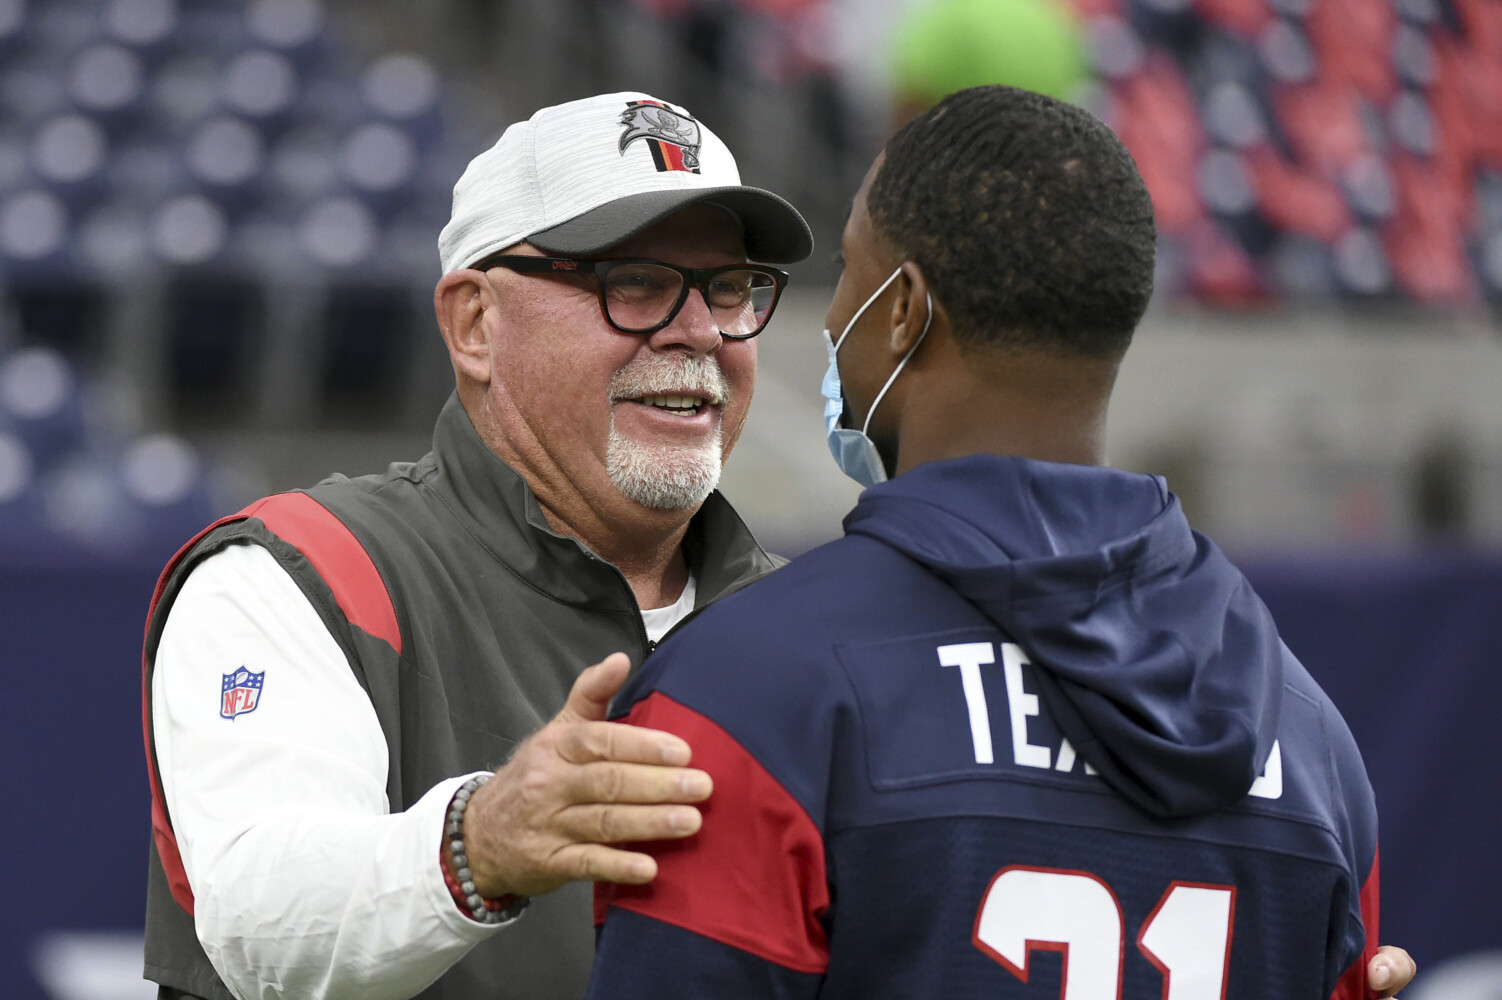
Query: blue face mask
[[853, 451]]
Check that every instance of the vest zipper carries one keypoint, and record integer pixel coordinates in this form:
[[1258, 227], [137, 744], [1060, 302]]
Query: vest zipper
[[644, 643]]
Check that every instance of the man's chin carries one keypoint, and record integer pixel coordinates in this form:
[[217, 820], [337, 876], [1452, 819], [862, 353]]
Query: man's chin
[[663, 477]]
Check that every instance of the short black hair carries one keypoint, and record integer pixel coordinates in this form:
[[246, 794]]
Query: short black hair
[[1028, 217]]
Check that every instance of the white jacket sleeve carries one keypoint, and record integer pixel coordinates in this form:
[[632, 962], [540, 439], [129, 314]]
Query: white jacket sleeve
[[305, 885]]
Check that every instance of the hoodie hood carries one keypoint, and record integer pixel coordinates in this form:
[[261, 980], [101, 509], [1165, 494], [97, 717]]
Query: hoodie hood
[[1152, 652]]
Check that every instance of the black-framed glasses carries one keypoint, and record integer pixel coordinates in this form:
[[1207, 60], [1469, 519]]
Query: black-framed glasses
[[642, 296]]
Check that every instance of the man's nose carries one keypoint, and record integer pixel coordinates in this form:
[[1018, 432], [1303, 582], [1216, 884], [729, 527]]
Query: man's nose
[[694, 329]]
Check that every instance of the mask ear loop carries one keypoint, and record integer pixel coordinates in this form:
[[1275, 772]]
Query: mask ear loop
[[864, 306], [901, 364]]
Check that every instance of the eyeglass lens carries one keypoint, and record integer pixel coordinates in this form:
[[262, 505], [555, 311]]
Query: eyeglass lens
[[640, 296]]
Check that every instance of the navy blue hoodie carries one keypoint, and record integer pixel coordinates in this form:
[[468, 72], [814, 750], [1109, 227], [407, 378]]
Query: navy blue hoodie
[[1019, 728]]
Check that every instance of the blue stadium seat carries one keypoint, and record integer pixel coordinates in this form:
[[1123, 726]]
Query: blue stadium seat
[[42, 403]]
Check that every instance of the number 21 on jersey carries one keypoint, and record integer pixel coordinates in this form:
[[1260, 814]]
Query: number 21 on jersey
[[1187, 936]]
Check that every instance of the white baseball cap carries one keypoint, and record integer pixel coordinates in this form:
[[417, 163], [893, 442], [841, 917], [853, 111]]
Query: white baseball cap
[[580, 177]]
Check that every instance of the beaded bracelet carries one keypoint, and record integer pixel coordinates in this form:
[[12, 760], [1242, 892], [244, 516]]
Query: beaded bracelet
[[460, 880]]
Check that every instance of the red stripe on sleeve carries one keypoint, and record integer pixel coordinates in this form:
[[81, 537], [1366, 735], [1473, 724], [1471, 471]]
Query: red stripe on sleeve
[[343, 564], [1352, 985], [161, 829], [753, 877], [338, 557]]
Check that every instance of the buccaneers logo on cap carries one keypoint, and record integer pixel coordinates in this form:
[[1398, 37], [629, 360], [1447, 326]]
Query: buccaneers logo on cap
[[672, 136]]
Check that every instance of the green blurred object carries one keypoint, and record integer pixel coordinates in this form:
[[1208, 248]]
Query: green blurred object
[[948, 45]]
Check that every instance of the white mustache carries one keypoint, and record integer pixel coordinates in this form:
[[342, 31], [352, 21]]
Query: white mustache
[[667, 374]]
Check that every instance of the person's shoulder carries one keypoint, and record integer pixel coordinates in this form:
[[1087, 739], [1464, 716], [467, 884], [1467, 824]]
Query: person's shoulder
[[396, 515], [317, 516], [316, 546], [376, 489], [1319, 756], [1334, 733]]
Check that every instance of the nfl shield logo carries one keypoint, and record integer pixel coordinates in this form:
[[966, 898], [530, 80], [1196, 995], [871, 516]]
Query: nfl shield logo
[[242, 693]]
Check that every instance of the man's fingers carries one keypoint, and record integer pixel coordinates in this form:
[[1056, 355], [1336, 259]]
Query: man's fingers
[[598, 863], [621, 824], [586, 742], [605, 783], [1390, 970], [580, 784], [587, 737], [590, 696]]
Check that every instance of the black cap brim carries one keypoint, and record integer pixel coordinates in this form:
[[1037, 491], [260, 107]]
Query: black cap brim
[[774, 231]]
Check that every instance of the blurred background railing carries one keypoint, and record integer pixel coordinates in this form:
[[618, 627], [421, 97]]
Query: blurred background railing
[[217, 252]]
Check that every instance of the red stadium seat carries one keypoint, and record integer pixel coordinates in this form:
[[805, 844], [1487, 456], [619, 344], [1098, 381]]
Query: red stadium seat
[[1296, 199], [1160, 125], [1244, 17], [1426, 241], [1323, 123]]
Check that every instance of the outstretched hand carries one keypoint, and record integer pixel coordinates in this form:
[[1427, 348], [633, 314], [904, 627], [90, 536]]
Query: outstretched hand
[[576, 786]]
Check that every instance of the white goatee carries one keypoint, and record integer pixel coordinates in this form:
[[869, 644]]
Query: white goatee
[[666, 476]]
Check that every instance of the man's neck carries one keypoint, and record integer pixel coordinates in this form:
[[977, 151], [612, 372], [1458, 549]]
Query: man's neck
[[650, 556], [1027, 405], [659, 584]]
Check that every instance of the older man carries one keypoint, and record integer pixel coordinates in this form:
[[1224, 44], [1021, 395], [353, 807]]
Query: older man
[[330, 673]]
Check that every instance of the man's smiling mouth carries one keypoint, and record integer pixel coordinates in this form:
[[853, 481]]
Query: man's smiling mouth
[[682, 405], [681, 386]]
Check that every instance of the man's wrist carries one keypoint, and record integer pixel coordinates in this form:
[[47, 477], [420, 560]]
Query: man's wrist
[[454, 860]]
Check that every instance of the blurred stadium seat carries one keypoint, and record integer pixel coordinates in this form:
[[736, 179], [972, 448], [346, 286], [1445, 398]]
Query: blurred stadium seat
[[77, 482], [167, 169]]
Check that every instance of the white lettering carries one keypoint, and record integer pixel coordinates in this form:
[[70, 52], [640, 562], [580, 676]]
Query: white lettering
[[1066, 756], [969, 657], [1021, 705], [1270, 784]]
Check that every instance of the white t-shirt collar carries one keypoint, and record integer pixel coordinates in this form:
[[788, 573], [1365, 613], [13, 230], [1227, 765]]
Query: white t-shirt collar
[[659, 621]]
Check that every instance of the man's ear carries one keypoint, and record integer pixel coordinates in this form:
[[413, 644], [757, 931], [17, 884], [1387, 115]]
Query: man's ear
[[910, 309], [460, 301]]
